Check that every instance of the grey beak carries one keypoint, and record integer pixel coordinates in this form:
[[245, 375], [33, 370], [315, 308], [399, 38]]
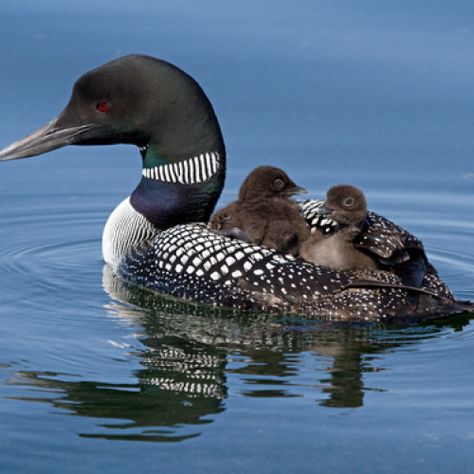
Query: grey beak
[[300, 190], [291, 191], [50, 137]]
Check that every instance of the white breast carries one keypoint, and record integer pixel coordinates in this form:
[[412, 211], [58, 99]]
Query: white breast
[[125, 229]]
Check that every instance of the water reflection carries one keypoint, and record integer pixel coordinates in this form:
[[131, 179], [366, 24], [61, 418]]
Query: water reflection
[[190, 352]]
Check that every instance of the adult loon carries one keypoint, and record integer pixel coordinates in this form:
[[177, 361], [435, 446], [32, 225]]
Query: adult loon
[[156, 238]]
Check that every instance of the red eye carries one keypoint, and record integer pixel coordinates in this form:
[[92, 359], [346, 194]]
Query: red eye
[[103, 107]]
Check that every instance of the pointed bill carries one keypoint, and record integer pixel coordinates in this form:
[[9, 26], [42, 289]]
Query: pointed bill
[[50, 137]]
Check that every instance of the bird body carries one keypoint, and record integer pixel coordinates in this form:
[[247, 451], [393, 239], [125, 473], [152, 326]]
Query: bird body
[[336, 251], [154, 239]]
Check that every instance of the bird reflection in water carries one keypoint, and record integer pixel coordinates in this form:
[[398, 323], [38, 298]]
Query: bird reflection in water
[[189, 353]]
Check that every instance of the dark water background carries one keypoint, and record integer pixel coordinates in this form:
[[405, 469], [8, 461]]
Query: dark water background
[[95, 378]]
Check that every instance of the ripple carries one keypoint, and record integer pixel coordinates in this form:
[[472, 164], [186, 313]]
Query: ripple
[[49, 250], [456, 261]]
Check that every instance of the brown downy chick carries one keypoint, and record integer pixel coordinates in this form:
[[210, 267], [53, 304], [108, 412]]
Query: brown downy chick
[[225, 222], [264, 212], [347, 206]]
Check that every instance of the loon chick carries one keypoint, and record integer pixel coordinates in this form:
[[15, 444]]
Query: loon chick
[[153, 238], [226, 223], [225, 219], [347, 206], [264, 213]]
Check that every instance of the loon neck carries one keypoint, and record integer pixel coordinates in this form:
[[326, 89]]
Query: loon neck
[[173, 192], [152, 157], [183, 161]]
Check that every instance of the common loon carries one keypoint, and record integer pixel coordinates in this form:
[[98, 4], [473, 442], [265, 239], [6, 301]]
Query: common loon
[[157, 239], [264, 212], [347, 206]]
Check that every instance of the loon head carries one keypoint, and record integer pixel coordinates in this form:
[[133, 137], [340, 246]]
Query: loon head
[[268, 182], [346, 205], [135, 99], [152, 104]]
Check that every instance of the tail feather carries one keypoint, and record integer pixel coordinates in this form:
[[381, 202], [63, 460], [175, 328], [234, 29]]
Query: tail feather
[[429, 308], [423, 303]]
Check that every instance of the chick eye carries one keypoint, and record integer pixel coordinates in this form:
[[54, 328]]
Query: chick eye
[[278, 184], [103, 107], [348, 202]]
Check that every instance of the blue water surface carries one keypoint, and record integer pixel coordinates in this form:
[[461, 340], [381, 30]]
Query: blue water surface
[[95, 377]]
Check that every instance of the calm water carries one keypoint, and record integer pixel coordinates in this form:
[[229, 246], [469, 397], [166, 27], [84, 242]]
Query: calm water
[[94, 376]]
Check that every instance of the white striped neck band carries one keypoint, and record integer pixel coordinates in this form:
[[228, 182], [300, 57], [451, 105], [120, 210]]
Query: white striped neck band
[[197, 169]]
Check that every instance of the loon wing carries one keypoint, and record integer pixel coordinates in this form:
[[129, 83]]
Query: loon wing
[[386, 239]]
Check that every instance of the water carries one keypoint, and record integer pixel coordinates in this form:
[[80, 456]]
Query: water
[[96, 377]]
